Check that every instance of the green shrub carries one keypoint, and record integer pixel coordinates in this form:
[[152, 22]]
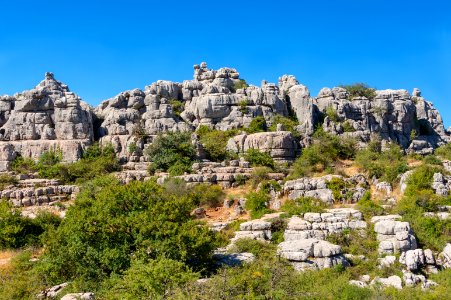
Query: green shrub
[[420, 179], [255, 247], [240, 84], [268, 185], [368, 207], [153, 279], [444, 151], [258, 124], [288, 124], [386, 165], [337, 185], [240, 179], [47, 164], [23, 165], [243, 106], [17, 231], [302, 205], [132, 147], [172, 152], [332, 114], [347, 127], [325, 150], [258, 175], [177, 106], [110, 224], [6, 180], [359, 90], [257, 203], [215, 142], [259, 159], [208, 195], [432, 160]]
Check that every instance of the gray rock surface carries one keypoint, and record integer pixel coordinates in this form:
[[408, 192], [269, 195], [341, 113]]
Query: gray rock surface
[[311, 254], [393, 236]]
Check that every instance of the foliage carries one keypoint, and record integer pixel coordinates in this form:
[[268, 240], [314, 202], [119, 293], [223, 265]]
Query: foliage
[[258, 124], [215, 142], [6, 180], [432, 160], [208, 195], [359, 90], [111, 223], [152, 279], [299, 206], [258, 175], [337, 185], [23, 165], [268, 185], [288, 124], [386, 165], [322, 154], [172, 152], [259, 159], [243, 106], [332, 114], [132, 147], [240, 84], [347, 127], [257, 203], [17, 231], [177, 106], [255, 247], [444, 151], [368, 207], [47, 164], [18, 279]]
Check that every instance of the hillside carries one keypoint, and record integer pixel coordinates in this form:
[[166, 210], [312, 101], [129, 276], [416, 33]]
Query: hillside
[[214, 189]]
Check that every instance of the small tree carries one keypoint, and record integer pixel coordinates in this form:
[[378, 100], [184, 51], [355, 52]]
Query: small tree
[[359, 90]]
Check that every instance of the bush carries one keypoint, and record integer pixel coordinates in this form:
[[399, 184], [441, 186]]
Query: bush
[[386, 165], [23, 165], [240, 84], [208, 195], [257, 203], [172, 152], [47, 164], [153, 279], [432, 160], [243, 106], [17, 231], [259, 159], [258, 124], [255, 247], [258, 175], [444, 151], [332, 114], [215, 142], [337, 186], [302, 205], [6, 180], [177, 106], [368, 207], [288, 124], [359, 90], [110, 224], [347, 127], [325, 150], [132, 147]]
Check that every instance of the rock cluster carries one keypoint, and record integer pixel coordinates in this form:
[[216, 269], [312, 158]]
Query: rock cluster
[[311, 254], [255, 230], [44, 118], [394, 236], [441, 184], [320, 225], [50, 116], [38, 192], [317, 188], [280, 145]]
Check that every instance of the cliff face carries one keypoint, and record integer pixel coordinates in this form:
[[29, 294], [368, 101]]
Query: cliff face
[[50, 116], [46, 117]]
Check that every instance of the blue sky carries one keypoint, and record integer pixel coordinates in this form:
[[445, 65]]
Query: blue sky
[[100, 48]]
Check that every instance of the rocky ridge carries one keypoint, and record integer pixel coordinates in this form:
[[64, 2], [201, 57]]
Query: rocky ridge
[[50, 116]]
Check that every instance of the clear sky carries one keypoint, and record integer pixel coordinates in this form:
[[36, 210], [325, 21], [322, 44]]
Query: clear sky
[[100, 48]]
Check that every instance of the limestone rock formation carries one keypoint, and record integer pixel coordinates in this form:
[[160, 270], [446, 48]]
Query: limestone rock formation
[[393, 236], [47, 117]]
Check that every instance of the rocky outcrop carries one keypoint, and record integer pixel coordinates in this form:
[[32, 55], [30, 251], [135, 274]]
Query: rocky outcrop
[[394, 236], [50, 116], [255, 230], [281, 145], [47, 117], [311, 254], [317, 188], [320, 225], [30, 192], [417, 259]]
